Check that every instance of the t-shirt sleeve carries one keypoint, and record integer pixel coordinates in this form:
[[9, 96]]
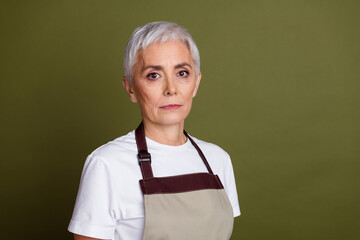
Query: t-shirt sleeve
[[231, 187], [95, 211]]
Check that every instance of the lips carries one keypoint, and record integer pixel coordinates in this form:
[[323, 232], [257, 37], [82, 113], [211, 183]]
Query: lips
[[171, 107]]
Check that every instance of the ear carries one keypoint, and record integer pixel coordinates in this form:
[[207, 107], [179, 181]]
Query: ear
[[197, 83], [129, 90]]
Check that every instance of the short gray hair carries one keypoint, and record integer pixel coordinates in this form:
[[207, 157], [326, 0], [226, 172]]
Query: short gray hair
[[154, 32]]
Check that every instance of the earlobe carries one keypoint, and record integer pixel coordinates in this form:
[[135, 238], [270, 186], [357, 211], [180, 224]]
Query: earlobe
[[129, 90], [197, 84]]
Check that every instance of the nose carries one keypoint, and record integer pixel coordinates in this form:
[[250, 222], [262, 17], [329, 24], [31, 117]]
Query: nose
[[169, 88]]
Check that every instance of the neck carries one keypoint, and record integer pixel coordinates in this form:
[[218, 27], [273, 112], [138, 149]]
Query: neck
[[165, 134]]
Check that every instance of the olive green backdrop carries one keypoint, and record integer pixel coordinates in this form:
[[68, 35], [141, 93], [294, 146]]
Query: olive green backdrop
[[280, 93]]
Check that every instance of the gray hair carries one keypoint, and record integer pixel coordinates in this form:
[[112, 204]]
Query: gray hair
[[154, 32]]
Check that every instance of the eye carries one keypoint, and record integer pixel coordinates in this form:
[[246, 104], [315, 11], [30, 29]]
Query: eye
[[183, 73], [153, 76]]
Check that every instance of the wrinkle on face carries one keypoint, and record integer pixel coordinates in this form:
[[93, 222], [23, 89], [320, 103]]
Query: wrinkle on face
[[166, 59]]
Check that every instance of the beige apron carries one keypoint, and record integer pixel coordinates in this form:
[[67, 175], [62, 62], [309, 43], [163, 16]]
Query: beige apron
[[184, 207]]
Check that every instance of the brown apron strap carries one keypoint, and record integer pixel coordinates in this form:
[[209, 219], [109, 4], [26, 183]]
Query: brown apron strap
[[144, 156], [200, 153]]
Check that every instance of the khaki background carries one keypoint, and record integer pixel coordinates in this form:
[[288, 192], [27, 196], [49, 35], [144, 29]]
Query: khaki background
[[280, 93]]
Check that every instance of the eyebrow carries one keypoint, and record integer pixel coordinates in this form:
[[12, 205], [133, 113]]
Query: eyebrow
[[182, 65], [158, 67]]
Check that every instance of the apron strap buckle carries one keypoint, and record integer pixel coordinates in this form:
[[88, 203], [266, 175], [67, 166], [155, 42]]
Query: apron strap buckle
[[144, 156]]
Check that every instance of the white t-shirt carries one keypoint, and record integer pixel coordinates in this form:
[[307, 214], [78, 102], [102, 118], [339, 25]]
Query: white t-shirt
[[110, 205]]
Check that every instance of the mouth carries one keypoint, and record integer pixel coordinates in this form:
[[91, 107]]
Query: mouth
[[171, 107]]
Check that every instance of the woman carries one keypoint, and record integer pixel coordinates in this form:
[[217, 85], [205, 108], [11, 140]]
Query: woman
[[187, 187]]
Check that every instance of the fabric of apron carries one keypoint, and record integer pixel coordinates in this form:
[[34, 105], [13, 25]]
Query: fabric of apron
[[189, 206]]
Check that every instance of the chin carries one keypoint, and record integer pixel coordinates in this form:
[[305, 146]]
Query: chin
[[173, 119]]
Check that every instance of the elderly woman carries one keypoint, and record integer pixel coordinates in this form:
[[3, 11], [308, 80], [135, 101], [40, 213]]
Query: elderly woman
[[158, 182]]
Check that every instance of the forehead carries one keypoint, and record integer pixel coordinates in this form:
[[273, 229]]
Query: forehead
[[170, 52]]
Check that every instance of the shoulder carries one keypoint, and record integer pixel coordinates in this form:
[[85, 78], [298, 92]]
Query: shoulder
[[211, 148], [217, 157], [115, 162], [112, 151]]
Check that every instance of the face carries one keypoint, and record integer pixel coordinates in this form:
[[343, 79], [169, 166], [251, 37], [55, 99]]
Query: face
[[164, 83]]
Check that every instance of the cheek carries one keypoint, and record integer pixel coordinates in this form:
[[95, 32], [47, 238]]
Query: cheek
[[190, 93], [148, 99]]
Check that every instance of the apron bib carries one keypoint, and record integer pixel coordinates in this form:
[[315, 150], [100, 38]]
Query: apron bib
[[189, 206]]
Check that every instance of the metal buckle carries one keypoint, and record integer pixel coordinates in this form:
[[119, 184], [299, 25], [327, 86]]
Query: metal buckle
[[144, 156]]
